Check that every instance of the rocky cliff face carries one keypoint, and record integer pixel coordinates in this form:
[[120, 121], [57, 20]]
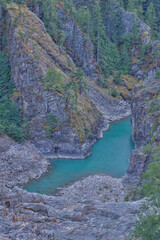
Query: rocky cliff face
[[32, 53], [145, 60], [77, 46], [145, 128]]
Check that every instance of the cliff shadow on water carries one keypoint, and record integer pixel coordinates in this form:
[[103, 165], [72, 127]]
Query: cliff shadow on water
[[110, 156]]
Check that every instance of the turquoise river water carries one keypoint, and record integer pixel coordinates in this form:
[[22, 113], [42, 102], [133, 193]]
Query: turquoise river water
[[110, 156]]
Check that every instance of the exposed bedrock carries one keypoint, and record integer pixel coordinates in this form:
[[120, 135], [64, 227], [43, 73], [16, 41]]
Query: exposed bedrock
[[32, 53], [145, 128]]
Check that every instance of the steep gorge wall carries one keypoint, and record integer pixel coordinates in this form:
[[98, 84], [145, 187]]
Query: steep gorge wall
[[145, 129], [32, 53]]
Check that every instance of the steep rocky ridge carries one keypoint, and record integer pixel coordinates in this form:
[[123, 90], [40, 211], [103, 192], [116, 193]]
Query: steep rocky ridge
[[32, 53], [81, 49]]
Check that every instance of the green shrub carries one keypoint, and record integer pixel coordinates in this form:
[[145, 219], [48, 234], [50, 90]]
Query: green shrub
[[147, 149], [53, 81], [102, 82], [148, 226], [157, 75], [15, 132], [154, 128], [145, 49], [117, 79], [126, 198], [114, 93], [52, 124]]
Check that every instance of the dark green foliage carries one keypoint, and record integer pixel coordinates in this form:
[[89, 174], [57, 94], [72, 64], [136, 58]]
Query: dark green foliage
[[126, 198], [157, 75], [112, 19], [76, 85], [151, 19], [50, 18], [53, 81], [147, 149], [145, 49], [91, 21], [154, 128], [147, 10], [10, 118], [125, 60], [151, 186], [102, 82], [77, 81], [117, 79], [114, 93], [148, 227], [53, 124]]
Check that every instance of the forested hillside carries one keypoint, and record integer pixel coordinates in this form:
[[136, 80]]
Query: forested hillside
[[103, 23], [147, 10]]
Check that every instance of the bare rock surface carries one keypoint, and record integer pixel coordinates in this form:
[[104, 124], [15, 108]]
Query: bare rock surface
[[20, 162], [92, 208]]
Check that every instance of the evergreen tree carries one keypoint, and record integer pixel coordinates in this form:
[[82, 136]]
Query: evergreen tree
[[0, 10], [151, 19], [50, 17], [10, 118], [125, 60]]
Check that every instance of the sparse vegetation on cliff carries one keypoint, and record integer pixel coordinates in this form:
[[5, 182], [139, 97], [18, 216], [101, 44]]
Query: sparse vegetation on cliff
[[53, 81], [147, 227]]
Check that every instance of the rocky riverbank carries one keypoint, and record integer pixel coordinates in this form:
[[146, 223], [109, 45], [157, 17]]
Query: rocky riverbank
[[26, 216], [93, 208], [96, 207], [19, 163]]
